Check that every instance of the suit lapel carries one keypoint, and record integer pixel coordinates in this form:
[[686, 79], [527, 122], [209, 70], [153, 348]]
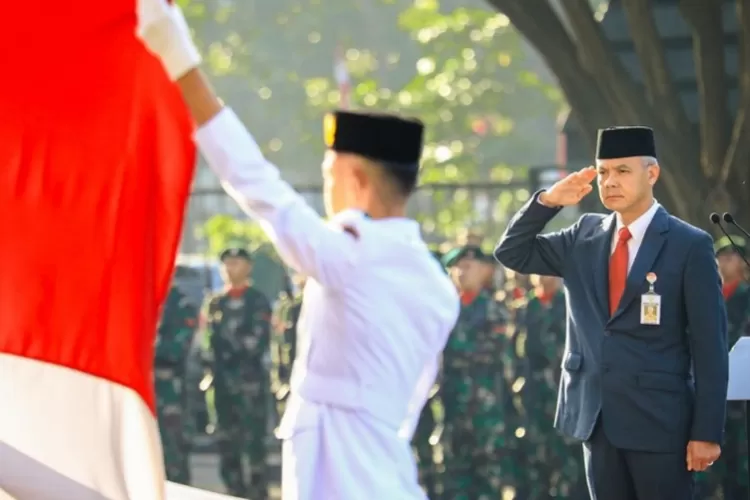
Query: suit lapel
[[649, 251], [602, 248]]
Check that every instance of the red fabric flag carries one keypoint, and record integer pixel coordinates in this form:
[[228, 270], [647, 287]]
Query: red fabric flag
[[96, 160]]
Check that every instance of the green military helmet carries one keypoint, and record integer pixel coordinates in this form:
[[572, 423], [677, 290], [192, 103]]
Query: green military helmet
[[235, 252], [724, 245], [454, 256]]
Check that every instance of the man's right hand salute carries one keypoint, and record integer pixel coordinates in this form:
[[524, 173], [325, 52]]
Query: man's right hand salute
[[570, 190]]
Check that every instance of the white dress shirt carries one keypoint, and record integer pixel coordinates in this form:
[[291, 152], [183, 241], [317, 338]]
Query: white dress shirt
[[637, 230]]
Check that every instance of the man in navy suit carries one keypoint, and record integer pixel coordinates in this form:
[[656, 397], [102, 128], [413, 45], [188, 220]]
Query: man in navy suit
[[644, 377]]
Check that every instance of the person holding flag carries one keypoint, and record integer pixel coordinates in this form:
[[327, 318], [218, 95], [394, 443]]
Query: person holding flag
[[369, 338], [95, 171]]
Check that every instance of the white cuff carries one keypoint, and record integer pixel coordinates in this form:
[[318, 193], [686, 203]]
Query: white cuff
[[169, 38], [182, 55]]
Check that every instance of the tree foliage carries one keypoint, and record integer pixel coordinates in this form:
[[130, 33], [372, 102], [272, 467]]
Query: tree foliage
[[472, 88], [222, 231], [706, 165], [463, 70]]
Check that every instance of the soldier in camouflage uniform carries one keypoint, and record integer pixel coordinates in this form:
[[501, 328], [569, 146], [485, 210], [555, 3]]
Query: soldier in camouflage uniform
[[239, 330], [284, 339], [174, 337], [727, 478], [479, 431], [554, 465]]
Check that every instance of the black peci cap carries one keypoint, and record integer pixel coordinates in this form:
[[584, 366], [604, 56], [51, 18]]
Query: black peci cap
[[380, 137], [624, 142]]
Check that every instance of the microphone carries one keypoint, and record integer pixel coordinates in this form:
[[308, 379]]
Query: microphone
[[716, 219], [729, 219]]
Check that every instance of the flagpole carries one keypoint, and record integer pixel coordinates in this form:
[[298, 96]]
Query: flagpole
[[341, 74]]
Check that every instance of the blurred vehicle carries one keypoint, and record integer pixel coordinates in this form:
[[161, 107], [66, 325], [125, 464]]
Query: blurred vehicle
[[197, 276]]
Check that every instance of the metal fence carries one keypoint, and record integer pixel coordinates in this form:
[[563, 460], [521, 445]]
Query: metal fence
[[444, 210]]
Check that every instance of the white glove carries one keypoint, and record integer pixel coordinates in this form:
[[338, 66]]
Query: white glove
[[164, 31]]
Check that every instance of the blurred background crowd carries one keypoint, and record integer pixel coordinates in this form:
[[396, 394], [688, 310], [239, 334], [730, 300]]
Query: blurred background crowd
[[226, 344], [512, 92]]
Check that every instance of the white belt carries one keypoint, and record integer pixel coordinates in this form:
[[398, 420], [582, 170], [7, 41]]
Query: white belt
[[349, 395]]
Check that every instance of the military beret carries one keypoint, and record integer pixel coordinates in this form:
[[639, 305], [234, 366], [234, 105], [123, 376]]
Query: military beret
[[624, 142], [235, 252], [453, 257], [724, 245], [377, 136]]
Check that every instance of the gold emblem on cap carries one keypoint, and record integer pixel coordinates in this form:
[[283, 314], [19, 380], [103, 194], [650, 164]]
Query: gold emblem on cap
[[329, 129]]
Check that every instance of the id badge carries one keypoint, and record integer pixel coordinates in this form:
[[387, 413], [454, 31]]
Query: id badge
[[650, 309]]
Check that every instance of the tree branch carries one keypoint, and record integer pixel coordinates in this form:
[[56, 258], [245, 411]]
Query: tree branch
[[656, 76], [738, 152], [618, 86], [705, 18], [598, 59], [541, 26]]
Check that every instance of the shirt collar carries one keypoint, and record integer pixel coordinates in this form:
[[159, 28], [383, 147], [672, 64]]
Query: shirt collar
[[639, 226], [403, 225]]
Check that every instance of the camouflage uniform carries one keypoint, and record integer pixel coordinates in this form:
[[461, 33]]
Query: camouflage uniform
[[284, 344], [554, 464], [423, 447], [479, 437], [727, 478], [239, 329], [173, 340]]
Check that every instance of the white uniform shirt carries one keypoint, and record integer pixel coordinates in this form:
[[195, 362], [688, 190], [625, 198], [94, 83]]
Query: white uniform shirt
[[376, 314]]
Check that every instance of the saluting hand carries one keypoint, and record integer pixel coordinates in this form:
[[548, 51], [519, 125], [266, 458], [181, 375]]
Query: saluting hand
[[702, 455], [570, 190]]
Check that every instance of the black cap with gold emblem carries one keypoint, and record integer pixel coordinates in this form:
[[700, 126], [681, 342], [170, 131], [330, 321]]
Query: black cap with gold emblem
[[381, 137], [625, 142]]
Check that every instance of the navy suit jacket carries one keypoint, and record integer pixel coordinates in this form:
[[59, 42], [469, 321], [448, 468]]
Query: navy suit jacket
[[655, 386]]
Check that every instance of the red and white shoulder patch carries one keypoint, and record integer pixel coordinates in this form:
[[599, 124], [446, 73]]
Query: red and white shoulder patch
[[351, 230]]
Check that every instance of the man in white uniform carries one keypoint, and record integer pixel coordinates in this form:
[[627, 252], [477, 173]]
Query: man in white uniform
[[377, 309]]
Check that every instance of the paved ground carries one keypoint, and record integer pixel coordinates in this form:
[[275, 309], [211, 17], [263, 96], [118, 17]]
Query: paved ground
[[205, 473]]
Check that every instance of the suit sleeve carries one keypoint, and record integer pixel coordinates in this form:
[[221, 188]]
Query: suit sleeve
[[304, 241], [707, 328], [523, 249]]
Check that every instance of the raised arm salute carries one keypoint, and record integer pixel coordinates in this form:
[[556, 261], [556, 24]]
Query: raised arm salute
[[369, 339], [644, 376]]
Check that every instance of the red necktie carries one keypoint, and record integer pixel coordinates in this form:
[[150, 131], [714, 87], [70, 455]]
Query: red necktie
[[618, 270]]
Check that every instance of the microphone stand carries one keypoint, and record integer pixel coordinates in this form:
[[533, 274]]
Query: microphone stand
[[729, 219]]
